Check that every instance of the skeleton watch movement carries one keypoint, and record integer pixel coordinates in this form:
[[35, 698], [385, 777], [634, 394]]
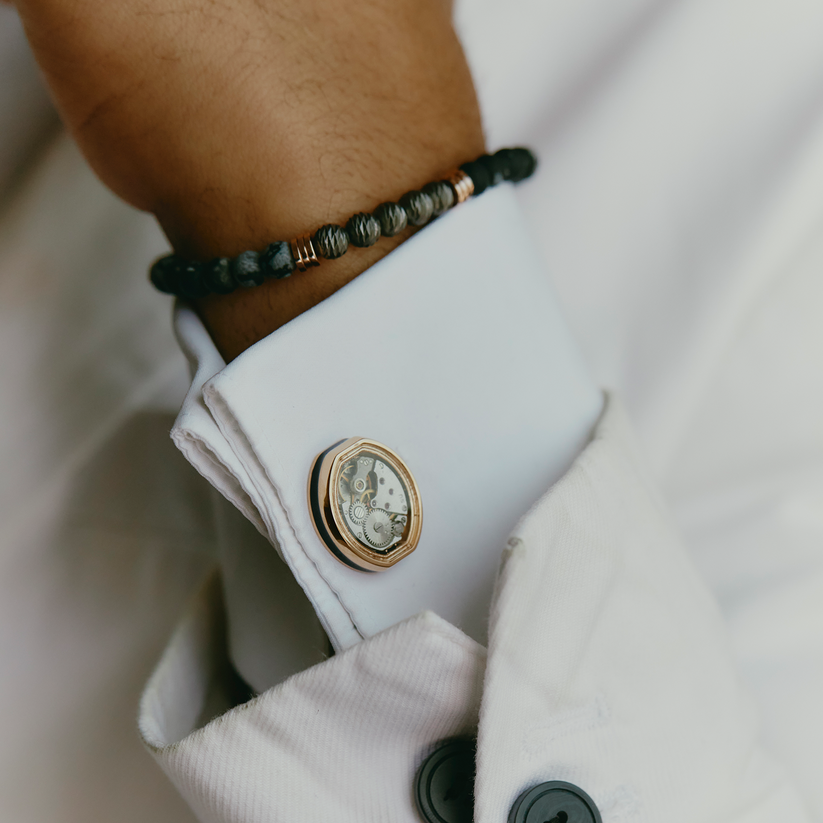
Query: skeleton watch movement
[[365, 504]]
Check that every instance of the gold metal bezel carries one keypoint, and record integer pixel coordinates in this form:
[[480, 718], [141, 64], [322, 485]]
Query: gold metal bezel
[[324, 477]]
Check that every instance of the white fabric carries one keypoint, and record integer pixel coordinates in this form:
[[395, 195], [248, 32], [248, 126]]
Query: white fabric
[[194, 429], [453, 353], [104, 528], [678, 205], [608, 667]]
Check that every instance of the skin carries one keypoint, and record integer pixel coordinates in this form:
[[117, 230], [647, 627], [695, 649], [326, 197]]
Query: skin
[[238, 122]]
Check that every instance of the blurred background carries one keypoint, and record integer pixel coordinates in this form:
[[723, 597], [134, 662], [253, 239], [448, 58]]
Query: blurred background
[[104, 529]]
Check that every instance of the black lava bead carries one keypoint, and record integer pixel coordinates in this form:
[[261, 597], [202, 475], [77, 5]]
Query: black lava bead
[[479, 174], [363, 230], [165, 273], [522, 163], [497, 166], [418, 206], [442, 195], [392, 218], [331, 241], [508, 164], [190, 282], [245, 269], [276, 260], [217, 276]]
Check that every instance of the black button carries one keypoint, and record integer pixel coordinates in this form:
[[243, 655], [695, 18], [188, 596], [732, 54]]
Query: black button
[[444, 787], [554, 802]]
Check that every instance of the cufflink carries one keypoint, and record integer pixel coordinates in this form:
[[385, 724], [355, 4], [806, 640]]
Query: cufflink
[[365, 504]]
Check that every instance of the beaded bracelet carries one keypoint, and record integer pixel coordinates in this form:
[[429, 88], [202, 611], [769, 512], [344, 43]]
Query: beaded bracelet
[[191, 279]]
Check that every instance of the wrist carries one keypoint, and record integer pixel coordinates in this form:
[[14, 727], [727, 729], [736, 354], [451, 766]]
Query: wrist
[[300, 206], [238, 320]]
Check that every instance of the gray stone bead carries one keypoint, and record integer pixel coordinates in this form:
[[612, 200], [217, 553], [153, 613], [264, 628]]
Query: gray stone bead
[[331, 241], [442, 195], [276, 260], [245, 269], [392, 218], [363, 230], [418, 206]]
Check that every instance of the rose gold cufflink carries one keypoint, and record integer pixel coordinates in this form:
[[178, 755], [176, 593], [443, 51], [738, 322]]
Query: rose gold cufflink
[[365, 504]]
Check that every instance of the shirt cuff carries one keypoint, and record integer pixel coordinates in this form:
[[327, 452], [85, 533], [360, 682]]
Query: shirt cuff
[[452, 351]]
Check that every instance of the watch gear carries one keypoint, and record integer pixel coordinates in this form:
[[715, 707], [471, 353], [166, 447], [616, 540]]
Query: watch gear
[[358, 513], [378, 528]]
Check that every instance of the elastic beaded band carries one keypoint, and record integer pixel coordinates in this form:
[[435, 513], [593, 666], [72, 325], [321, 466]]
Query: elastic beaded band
[[191, 279]]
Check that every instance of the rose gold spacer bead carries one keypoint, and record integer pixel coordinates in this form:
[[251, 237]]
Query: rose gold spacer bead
[[304, 254], [462, 184]]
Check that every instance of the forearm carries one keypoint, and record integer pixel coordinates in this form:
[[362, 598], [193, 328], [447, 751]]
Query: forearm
[[238, 124]]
